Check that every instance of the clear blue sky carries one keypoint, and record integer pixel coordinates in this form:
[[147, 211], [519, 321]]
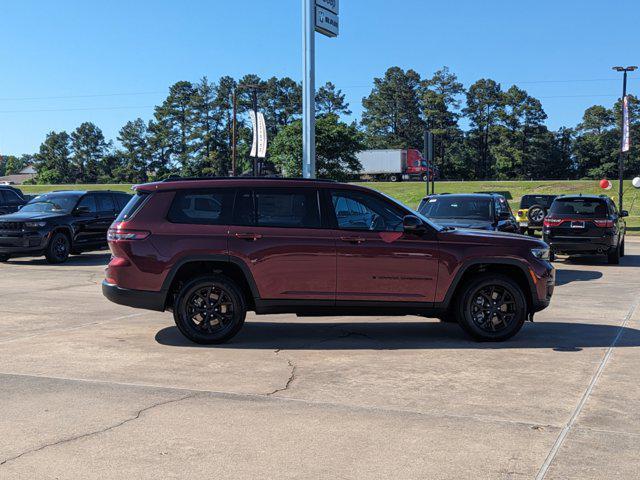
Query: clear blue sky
[[111, 61]]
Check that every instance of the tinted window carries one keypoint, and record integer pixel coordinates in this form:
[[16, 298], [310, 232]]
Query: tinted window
[[121, 200], [209, 207], [51, 203], [278, 208], [105, 202], [452, 206], [10, 197], [529, 200], [580, 207], [90, 202], [361, 211], [132, 206]]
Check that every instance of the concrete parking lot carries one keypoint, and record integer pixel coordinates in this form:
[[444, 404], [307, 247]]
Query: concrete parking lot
[[89, 389]]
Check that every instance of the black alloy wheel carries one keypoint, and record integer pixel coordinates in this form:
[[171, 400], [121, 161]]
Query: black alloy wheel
[[492, 308], [58, 248], [210, 310]]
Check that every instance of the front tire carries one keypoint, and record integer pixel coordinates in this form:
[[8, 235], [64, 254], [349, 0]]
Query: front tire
[[491, 308], [210, 310], [58, 248], [622, 248]]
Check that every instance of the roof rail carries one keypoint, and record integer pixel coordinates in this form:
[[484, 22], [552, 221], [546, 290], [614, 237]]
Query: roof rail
[[177, 178]]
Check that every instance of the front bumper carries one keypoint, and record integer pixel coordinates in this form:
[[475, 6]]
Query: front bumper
[[145, 299], [545, 282], [23, 242]]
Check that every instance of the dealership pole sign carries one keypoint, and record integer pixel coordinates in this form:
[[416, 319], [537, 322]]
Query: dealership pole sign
[[317, 16]]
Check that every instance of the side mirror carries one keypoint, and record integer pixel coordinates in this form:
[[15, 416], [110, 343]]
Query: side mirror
[[412, 224], [82, 210], [624, 213]]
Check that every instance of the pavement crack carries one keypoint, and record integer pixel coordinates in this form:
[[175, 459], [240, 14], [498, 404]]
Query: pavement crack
[[292, 375], [136, 416]]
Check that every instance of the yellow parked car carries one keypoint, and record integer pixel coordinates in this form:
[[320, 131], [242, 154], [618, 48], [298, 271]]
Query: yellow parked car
[[533, 209]]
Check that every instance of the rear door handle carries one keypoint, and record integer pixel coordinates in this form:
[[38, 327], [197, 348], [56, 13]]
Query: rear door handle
[[353, 239], [249, 236]]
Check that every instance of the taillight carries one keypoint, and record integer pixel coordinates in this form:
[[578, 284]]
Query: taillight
[[552, 222], [603, 223], [116, 234]]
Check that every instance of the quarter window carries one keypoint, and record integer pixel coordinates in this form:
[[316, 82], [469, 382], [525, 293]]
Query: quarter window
[[209, 207]]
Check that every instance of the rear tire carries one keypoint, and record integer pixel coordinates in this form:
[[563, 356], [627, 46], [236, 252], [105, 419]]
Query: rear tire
[[613, 257], [552, 256], [491, 308], [58, 249], [4, 257], [394, 178], [622, 248], [210, 310]]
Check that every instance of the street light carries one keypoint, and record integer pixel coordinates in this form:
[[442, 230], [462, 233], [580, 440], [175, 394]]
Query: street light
[[621, 158]]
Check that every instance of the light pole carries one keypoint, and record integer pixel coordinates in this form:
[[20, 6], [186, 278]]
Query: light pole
[[622, 150]]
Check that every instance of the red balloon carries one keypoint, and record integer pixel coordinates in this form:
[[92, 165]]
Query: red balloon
[[604, 183]]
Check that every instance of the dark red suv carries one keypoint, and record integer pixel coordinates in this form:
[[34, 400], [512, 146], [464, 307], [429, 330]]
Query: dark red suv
[[211, 249]]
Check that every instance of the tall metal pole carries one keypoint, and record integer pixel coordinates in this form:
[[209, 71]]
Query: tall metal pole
[[233, 134], [425, 154], [308, 90], [621, 158], [255, 113]]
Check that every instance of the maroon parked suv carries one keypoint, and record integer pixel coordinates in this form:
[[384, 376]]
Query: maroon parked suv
[[211, 249]]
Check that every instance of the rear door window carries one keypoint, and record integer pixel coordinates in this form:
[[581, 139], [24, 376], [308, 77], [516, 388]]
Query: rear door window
[[206, 206], [105, 203], [276, 207]]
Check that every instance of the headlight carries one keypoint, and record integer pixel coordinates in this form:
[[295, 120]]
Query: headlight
[[34, 224], [541, 253]]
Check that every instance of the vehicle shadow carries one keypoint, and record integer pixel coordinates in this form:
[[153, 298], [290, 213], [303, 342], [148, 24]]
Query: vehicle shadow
[[626, 261], [91, 259], [298, 335], [564, 276]]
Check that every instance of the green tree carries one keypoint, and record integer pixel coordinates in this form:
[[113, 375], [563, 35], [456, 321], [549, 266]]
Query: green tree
[[337, 144], [440, 101], [12, 165], [134, 156], [88, 147], [54, 159], [597, 143], [483, 110], [391, 116], [329, 100]]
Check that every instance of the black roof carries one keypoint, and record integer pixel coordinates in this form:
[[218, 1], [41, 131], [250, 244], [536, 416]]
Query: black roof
[[177, 178]]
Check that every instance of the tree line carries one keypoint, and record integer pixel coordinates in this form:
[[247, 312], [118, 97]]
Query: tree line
[[482, 131]]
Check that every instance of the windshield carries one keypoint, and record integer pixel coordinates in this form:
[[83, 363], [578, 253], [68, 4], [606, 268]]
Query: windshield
[[579, 207], [51, 203], [457, 207]]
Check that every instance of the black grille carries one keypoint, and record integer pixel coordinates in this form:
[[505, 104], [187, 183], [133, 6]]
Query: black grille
[[13, 226]]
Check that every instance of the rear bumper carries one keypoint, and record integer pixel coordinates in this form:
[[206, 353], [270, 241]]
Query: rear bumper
[[145, 299], [571, 246]]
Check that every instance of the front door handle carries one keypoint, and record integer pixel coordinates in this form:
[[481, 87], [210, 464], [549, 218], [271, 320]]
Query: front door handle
[[353, 239], [249, 236]]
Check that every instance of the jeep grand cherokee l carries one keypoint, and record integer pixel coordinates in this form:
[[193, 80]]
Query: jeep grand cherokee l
[[211, 249], [59, 223]]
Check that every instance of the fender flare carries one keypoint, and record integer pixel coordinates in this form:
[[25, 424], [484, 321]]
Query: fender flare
[[488, 261], [222, 258]]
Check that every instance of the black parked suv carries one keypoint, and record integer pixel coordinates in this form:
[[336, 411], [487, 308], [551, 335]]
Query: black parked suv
[[11, 199], [480, 211], [585, 224], [60, 223]]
